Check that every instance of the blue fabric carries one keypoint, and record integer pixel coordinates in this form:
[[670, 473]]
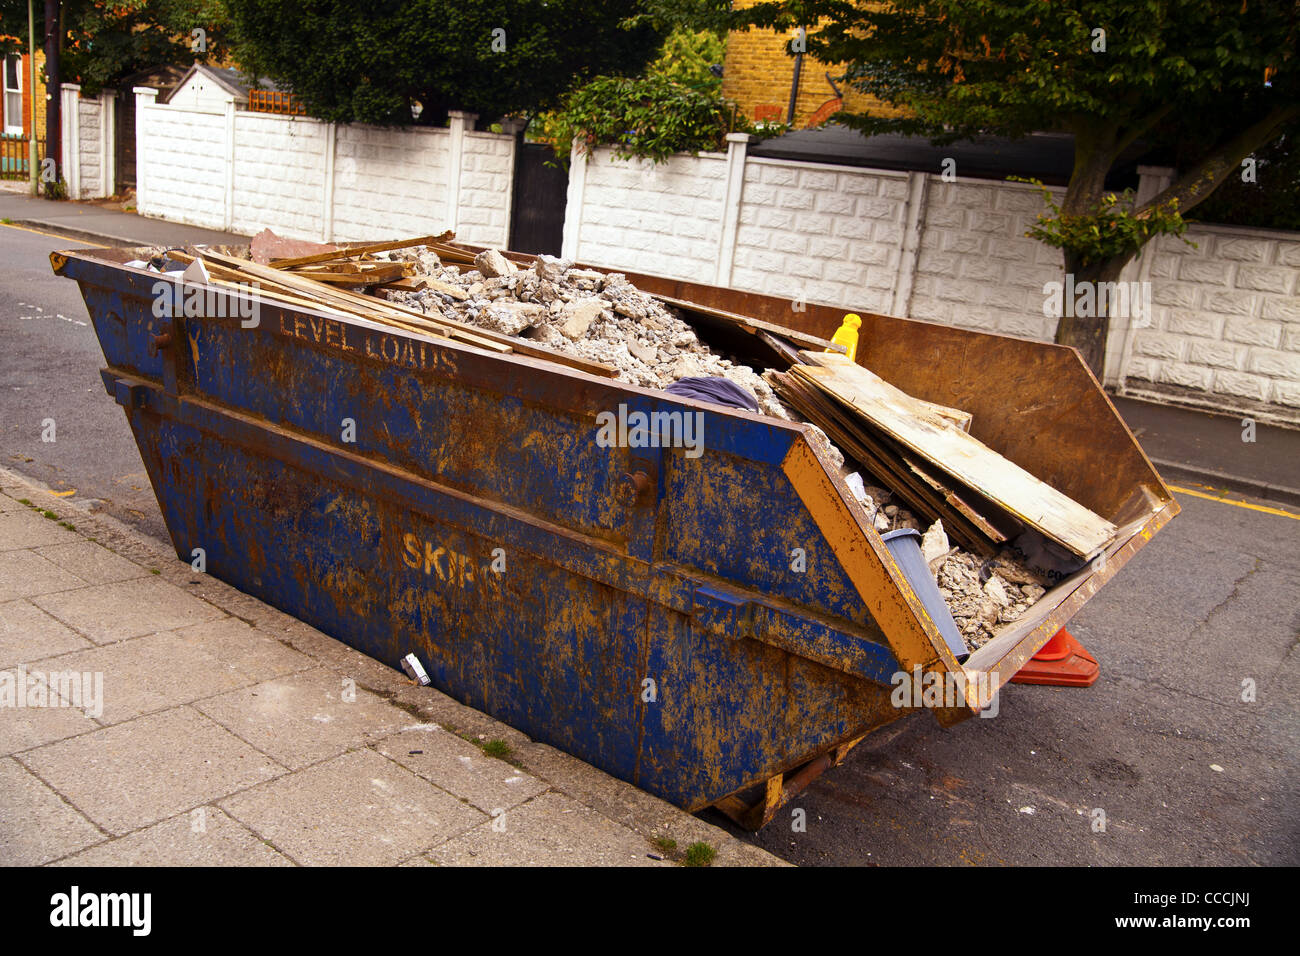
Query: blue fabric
[[714, 389]]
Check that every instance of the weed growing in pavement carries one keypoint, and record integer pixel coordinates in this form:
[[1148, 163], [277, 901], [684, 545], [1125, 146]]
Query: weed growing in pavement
[[699, 854], [496, 748]]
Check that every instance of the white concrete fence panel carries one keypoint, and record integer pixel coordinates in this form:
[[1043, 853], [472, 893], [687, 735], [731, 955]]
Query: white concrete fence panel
[[1222, 330]]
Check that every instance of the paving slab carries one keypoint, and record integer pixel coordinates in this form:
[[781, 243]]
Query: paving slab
[[27, 574], [137, 773], [23, 727], [550, 830], [241, 689], [157, 671], [104, 223], [29, 634], [92, 563], [456, 765], [616, 799], [305, 718], [37, 825], [205, 836], [27, 529], [356, 809], [113, 612]]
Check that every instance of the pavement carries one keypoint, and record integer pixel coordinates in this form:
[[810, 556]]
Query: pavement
[[1227, 452], [152, 715], [101, 222]]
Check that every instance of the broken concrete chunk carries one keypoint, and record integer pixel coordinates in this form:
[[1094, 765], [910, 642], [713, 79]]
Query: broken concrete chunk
[[996, 590], [646, 353], [934, 542], [550, 268], [511, 317], [579, 315], [630, 307], [493, 264]]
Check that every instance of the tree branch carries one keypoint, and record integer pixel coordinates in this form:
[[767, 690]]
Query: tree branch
[[1150, 120], [1197, 184]]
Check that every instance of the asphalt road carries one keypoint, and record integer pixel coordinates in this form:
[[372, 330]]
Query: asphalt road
[[1210, 603], [49, 370]]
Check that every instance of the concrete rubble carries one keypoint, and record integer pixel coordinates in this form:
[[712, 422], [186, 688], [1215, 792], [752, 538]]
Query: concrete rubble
[[603, 317], [592, 315]]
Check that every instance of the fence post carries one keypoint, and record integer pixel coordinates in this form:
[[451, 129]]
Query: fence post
[[573, 202], [458, 124], [144, 101], [737, 148], [229, 213], [918, 183], [70, 138], [107, 143], [327, 212]]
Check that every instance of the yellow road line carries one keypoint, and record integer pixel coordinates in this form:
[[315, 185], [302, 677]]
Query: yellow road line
[[1238, 504], [54, 235]]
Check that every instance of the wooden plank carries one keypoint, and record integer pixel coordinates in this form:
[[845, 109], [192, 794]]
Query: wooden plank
[[955, 415], [885, 467], [375, 310], [359, 251], [354, 279], [371, 305], [781, 346], [416, 283], [917, 427], [405, 284], [801, 338]]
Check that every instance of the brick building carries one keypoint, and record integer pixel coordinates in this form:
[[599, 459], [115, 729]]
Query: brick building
[[758, 75], [16, 107]]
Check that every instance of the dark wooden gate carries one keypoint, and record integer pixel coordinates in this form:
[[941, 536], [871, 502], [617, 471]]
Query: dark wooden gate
[[124, 140], [537, 220]]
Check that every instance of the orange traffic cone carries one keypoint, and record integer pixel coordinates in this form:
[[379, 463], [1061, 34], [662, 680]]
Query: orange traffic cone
[[1062, 662]]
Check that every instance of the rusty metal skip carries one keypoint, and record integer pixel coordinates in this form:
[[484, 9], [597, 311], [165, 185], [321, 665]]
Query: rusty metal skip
[[638, 608]]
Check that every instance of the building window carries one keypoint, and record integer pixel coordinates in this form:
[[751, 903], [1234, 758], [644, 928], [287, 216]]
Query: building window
[[13, 91]]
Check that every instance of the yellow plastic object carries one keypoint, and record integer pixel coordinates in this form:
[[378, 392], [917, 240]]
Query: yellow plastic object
[[847, 335]]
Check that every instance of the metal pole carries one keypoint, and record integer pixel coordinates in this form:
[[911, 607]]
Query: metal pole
[[32, 158], [794, 89]]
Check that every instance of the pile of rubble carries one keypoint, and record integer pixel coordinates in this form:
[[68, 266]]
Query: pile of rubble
[[604, 318], [592, 315], [982, 595]]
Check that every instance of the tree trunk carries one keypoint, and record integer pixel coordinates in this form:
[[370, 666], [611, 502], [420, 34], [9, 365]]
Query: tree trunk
[[53, 88], [1086, 314]]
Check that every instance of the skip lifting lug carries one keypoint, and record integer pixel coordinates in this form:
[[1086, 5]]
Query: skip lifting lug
[[158, 341], [632, 486]]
